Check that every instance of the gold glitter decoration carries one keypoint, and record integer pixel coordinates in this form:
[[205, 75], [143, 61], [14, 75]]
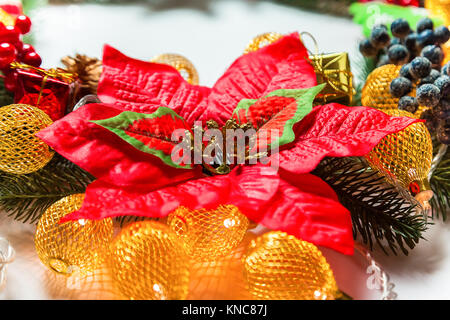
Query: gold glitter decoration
[[148, 261], [181, 63], [262, 40], [405, 157], [75, 246], [209, 234], [278, 266], [21, 151]]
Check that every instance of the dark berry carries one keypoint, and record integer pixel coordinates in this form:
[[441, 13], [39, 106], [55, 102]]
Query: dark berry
[[395, 41], [446, 69], [443, 84], [410, 41], [408, 103], [430, 121], [443, 134], [400, 86], [431, 78], [379, 36], [367, 49], [398, 54], [400, 28], [424, 24], [433, 53], [441, 34], [425, 38], [420, 67], [428, 95], [405, 71], [442, 110]]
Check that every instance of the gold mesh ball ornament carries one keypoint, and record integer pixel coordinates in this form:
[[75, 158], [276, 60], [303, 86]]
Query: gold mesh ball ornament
[[75, 246], [405, 157], [21, 152], [209, 234], [278, 266], [149, 262], [181, 63], [262, 40]]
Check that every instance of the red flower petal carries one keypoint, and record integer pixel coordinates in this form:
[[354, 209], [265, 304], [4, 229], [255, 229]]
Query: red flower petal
[[337, 131], [140, 86], [103, 154], [306, 208], [143, 86]]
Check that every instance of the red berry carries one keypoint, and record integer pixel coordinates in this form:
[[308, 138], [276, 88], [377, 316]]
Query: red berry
[[23, 23], [27, 48], [7, 54], [2, 26], [32, 58], [10, 34]]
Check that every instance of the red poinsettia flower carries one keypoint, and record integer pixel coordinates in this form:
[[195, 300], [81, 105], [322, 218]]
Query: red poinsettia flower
[[125, 143]]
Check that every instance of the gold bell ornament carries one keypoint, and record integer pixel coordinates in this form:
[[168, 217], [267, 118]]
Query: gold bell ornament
[[21, 152], [181, 63], [209, 234], [278, 266], [405, 157], [148, 261], [75, 246], [333, 69]]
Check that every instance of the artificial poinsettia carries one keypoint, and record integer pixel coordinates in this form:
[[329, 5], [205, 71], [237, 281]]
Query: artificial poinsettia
[[125, 142]]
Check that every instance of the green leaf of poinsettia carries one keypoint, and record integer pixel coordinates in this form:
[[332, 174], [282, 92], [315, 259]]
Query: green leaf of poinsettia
[[150, 133], [277, 113]]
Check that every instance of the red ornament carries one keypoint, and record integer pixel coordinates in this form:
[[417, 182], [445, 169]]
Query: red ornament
[[27, 48], [23, 23], [32, 58], [7, 54]]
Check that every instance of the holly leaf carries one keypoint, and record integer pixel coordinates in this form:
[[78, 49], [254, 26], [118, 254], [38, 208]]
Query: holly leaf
[[275, 115], [151, 133]]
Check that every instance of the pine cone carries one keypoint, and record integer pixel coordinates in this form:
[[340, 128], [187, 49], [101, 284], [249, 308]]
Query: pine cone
[[88, 71]]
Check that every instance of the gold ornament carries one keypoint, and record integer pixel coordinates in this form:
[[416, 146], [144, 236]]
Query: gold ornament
[[262, 40], [21, 152], [209, 234], [405, 157], [439, 8], [75, 246], [182, 64], [376, 92], [332, 69], [278, 266], [148, 261]]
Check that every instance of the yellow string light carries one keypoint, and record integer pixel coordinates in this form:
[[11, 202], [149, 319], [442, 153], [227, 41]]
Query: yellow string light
[[75, 246], [181, 63], [149, 262], [209, 234], [278, 266], [21, 152]]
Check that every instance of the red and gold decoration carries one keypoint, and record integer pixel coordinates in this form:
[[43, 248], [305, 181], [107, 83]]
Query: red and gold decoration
[[149, 262], [21, 152], [405, 158], [209, 234], [76, 246], [278, 266], [50, 90], [181, 63]]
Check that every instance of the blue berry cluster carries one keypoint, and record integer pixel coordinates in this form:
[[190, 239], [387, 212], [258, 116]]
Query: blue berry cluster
[[405, 44]]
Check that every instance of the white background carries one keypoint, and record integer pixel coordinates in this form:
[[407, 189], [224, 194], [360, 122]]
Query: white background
[[211, 35]]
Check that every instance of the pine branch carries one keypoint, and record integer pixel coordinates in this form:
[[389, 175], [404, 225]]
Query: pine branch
[[364, 66], [440, 184], [379, 214], [26, 197]]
